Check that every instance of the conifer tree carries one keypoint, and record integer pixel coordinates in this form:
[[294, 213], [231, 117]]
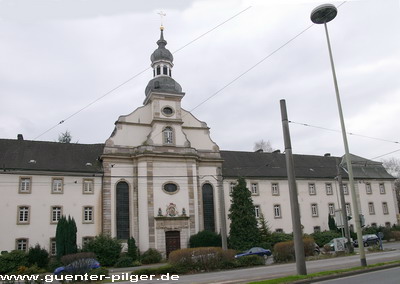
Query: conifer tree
[[332, 223], [66, 236], [244, 232], [132, 249]]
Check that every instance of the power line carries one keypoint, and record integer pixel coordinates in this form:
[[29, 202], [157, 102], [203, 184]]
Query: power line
[[141, 72], [349, 133]]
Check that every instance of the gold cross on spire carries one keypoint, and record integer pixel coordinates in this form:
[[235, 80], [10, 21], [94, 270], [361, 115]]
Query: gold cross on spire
[[162, 14]]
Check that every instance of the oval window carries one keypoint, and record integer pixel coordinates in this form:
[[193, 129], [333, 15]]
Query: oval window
[[168, 111], [170, 187]]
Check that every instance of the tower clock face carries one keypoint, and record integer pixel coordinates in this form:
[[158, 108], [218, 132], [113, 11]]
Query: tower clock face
[[168, 111]]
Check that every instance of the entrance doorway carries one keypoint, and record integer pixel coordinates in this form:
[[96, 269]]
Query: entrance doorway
[[172, 241]]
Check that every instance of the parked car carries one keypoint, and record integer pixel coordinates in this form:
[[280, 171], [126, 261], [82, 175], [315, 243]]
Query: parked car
[[255, 251], [368, 240], [80, 266]]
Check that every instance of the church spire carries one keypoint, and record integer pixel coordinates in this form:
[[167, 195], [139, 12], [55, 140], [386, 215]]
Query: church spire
[[161, 62], [161, 59]]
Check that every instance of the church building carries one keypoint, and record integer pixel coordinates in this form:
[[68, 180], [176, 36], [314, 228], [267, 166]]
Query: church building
[[160, 178]]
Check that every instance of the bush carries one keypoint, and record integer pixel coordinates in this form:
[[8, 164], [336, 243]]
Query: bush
[[202, 259], [9, 262], [279, 237], [99, 271], [168, 268], [151, 256], [395, 235], [250, 260], [322, 238], [34, 269], [132, 249], [107, 249], [69, 258], [53, 264], [205, 239], [125, 261], [38, 256], [284, 251]]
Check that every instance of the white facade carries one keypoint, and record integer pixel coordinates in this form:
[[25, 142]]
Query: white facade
[[31, 215], [315, 207], [160, 179]]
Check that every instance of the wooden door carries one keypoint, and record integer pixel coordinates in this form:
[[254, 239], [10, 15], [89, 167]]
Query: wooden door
[[172, 241]]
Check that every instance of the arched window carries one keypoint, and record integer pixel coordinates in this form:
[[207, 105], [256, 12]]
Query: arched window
[[158, 70], [165, 70], [122, 209], [168, 135], [208, 207]]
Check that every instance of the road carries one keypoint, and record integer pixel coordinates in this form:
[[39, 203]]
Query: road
[[386, 276], [280, 270]]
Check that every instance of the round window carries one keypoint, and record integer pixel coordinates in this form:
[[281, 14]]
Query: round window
[[170, 187], [168, 111]]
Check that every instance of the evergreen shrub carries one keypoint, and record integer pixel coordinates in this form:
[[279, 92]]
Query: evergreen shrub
[[151, 256], [205, 239], [250, 260], [106, 249], [38, 256], [9, 262], [322, 238], [202, 259], [124, 261]]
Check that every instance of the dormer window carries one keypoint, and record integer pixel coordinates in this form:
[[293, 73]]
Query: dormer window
[[168, 135]]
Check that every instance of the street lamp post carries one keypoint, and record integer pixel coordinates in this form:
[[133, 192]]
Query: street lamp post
[[322, 15]]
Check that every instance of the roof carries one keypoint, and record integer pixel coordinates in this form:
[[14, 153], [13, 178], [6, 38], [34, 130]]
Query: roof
[[84, 158], [273, 165], [50, 156]]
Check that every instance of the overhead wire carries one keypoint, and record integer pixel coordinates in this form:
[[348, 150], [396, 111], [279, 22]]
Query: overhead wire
[[141, 72]]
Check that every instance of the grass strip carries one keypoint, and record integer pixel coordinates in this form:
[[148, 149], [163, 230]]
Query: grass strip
[[293, 278]]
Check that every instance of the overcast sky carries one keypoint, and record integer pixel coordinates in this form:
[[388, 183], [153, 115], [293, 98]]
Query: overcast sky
[[58, 56]]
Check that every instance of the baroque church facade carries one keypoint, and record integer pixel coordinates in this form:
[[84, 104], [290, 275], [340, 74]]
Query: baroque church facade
[[160, 179]]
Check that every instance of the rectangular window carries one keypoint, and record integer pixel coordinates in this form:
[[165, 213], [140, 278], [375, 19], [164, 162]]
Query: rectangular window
[[385, 208], [257, 210], [382, 189], [23, 215], [277, 211], [254, 188], [25, 185], [368, 188], [88, 214], [387, 225], [57, 185], [328, 187], [374, 225], [345, 189], [348, 209], [331, 208], [232, 186], [88, 186], [314, 210], [275, 189], [279, 230], [317, 229], [371, 208], [21, 244], [52, 250], [56, 212], [311, 189], [85, 240]]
